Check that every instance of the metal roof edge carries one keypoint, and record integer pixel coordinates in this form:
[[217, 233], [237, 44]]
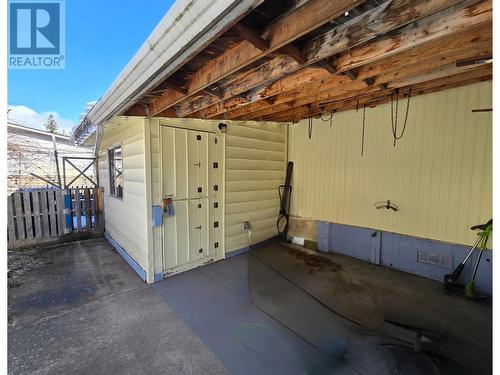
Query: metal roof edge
[[187, 27]]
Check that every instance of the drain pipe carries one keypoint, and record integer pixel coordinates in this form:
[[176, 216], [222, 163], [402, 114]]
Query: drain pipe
[[98, 138]]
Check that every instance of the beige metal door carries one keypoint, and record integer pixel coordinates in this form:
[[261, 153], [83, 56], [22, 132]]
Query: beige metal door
[[192, 178]]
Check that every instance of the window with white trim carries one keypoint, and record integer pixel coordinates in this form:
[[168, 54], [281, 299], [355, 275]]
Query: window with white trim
[[115, 171]]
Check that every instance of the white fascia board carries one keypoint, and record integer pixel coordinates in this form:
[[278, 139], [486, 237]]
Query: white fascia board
[[186, 28]]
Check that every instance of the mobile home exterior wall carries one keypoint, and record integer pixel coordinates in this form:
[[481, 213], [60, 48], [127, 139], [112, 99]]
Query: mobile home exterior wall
[[439, 173], [126, 218]]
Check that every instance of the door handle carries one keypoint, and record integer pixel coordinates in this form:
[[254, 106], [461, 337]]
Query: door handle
[[197, 165], [198, 227]]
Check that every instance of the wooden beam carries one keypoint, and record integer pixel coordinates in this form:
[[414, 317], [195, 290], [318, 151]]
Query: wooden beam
[[469, 42], [446, 22], [168, 85], [400, 69], [328, 65], [140, 110], [302, 111], [357, 89], [387, 17], [250, 36], [351, 74], [474, 60], [270, 100], [212, 92], [293, 52], [369, 81], [375, 99], [285, 30]]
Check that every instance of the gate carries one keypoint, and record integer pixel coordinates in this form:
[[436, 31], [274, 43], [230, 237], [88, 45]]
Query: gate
[[38, 214]]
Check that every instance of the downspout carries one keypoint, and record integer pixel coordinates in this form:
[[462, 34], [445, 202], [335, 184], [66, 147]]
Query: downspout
[[98, 138]]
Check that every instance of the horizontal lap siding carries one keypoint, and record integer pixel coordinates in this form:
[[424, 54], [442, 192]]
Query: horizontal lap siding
[[125, 218], [156, 192], [439, 173], [255, 154], [255, 163]]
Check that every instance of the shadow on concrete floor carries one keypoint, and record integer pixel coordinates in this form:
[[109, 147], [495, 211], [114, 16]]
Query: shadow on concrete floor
[[371, 296], [79, 308]]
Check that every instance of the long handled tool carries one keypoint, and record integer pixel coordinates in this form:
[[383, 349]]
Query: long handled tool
[[481, 242], [285, 192], [451, 278], [470, 288]]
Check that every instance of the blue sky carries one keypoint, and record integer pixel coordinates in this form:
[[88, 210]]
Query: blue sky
[[101, 37]]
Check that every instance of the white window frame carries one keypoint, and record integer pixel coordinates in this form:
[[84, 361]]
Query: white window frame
[[112, 192]]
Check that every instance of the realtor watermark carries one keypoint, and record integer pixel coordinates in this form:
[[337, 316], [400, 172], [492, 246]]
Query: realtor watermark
[[36, 34]]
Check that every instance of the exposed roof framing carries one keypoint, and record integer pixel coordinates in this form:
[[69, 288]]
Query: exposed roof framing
[[311, 56]]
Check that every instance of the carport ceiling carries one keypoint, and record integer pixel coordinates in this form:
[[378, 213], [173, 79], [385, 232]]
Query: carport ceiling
[[294, 59]]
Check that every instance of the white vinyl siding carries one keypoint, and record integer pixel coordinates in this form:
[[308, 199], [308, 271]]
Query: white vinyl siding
[[255, 154], [255, 164], [125, 218]]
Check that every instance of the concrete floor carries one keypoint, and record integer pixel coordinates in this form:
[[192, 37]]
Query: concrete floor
[[79, 308]]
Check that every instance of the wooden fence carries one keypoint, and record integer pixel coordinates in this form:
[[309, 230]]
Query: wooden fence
[[39, 214]]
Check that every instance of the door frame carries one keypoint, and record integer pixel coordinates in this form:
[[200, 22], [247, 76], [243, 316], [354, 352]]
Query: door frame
[[221, 250]]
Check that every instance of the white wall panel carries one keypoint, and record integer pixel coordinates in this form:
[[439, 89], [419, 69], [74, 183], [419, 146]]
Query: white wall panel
[[125, 218], [255, 163], [440, 173]]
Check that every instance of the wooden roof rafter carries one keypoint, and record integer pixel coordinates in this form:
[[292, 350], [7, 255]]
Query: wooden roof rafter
[[346, 41], [312, 54], [411, 62], [284, 31]]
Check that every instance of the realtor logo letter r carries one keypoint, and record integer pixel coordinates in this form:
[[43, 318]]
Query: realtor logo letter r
[[34, 28]]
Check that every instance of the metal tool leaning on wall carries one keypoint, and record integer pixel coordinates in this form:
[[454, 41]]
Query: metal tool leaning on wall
[[482, 242], [285, 192]]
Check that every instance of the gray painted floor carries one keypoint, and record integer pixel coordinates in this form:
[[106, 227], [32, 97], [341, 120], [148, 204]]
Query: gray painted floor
[[79, 308]]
